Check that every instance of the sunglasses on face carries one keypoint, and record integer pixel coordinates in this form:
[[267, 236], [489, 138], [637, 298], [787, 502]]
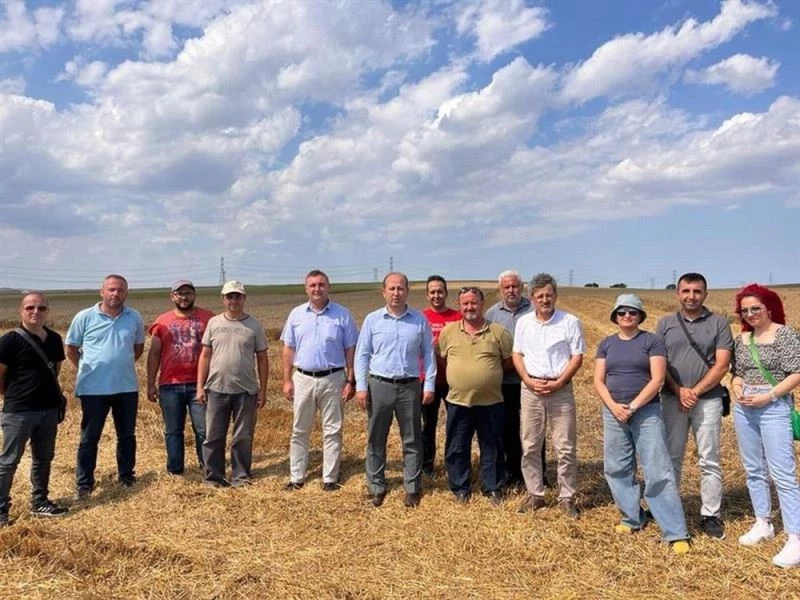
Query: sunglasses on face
[[753, 310], [630, 312], [35, 307]]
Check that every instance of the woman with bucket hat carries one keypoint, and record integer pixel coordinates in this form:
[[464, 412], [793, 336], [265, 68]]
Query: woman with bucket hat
[[630, 367]]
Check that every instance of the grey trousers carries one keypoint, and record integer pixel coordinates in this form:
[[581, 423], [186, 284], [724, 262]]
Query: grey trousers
[[385, 401], [40, 427], [219, 410]]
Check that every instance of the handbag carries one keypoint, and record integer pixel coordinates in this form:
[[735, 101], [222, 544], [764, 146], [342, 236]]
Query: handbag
[[62, 402], [795, 416], [726, 395]]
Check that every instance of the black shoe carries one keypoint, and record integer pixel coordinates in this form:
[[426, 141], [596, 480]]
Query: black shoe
[[412, 500], [331, 486], [377, 499], [83, 494], [4, 522], [293, 486], [240, 483], [713, 527], [48, 509], [568, 506], [429, 472], [462, 497], [219, 482], [127, 482], [496, 498]]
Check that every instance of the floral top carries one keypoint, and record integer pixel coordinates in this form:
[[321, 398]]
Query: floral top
[[781, 357]]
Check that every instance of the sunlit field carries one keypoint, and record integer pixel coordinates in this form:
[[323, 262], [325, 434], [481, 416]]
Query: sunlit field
[[172, 537]]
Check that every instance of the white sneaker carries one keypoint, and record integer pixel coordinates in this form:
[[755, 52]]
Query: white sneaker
[[789, 556], [760, 532]]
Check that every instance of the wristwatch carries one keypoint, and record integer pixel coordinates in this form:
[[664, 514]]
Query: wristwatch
[[631, 408]]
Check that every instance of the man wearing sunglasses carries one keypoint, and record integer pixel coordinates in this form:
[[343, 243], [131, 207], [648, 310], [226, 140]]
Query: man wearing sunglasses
[[175, 345], [692, 392], [30, 406], [548, 351], [103, 343], [234, 349]]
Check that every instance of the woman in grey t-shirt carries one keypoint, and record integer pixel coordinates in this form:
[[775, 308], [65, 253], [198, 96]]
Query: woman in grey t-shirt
[[629, 372]]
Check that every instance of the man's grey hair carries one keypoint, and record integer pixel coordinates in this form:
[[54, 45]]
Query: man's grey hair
[[508, 273], [541, 280]]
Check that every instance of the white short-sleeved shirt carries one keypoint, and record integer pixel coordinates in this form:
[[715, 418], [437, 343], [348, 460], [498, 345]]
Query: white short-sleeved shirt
[[547, 347]]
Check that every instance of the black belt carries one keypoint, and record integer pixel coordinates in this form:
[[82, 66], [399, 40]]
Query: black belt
[[319, 373], [395, 380]]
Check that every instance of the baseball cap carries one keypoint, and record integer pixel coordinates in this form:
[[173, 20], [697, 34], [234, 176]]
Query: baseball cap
[[233, 287], [181, 283]]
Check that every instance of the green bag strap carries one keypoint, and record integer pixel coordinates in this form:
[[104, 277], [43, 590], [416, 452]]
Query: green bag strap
[[757, 359]]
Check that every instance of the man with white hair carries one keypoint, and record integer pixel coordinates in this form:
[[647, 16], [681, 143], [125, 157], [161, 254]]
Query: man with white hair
[[506, 312]]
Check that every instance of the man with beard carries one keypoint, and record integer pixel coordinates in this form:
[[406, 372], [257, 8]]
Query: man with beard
[[548, 351], [506, 312], [477, 353], [32, 396], [103, 343], [175, 346], [438, 315]]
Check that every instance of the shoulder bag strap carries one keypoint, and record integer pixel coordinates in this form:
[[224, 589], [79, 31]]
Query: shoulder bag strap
[[38, 349], [692, 343], [757, 359]]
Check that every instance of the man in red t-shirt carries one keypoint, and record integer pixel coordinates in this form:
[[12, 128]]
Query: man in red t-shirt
[[438, 315], [174, 350]]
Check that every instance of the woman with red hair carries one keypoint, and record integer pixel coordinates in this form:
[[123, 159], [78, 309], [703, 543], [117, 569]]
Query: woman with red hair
[[766, 368]]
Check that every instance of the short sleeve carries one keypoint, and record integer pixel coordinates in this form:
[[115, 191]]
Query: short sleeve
[[577, 343], [261, 338], [724, 335], [287, 335], [790, 350], [661, 327], [206, 341], [76, 331], [6, 352], [350, 330], [506, 344], [139, 329], [656, 346], [602, 349]]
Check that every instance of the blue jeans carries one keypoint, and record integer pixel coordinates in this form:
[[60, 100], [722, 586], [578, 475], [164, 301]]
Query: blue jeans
[[95, 410], [40, 427], [176, 400], [644, 435], [462, 424], [766, 446]]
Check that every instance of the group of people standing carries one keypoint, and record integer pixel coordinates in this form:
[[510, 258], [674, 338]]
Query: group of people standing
[[504, 374]]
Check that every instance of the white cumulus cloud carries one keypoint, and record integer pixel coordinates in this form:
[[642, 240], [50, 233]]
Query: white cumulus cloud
[[500, 25], [23, 29], [740, 73]]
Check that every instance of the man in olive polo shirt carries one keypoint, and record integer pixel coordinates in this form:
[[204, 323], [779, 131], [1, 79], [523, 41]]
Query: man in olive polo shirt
[[477, 352]]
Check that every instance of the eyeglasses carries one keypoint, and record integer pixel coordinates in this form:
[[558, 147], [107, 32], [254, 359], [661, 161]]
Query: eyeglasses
[[233, 296], [35, 307], [630, 312], [753, 310], [185, 294]]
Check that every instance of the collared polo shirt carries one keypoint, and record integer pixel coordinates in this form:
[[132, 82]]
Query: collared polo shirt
[[547, 348], [391, 346], [319, 338], [711, 332], [499, 313], [475, 362], [107, 362]]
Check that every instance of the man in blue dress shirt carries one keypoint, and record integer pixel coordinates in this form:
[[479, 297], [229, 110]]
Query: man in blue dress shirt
[[319, 341], [392, 342]]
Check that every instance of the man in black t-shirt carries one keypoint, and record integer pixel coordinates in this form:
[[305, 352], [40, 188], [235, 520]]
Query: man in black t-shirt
[[31, 405]]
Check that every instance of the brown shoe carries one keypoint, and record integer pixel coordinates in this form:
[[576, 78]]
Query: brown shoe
[[411, 500], [531, 503], [377, 499], [568, 506]]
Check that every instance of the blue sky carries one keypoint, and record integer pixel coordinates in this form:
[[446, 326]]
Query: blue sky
[[616, 141]]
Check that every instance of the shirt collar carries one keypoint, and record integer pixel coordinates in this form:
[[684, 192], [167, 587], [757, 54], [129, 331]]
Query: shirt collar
[[385, 312], [310, 308], [704, 314], [523, 303], [484, 328]]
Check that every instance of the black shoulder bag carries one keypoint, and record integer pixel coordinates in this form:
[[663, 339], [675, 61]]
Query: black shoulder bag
[[62, 399], [726, 396]]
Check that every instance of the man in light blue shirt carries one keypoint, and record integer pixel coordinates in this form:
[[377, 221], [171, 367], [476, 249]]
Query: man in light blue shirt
[[103, 343], [319, 343], [393, 341]]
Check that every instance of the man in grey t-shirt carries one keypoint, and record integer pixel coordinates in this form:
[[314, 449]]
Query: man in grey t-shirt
[[234, 347], [693, 394]]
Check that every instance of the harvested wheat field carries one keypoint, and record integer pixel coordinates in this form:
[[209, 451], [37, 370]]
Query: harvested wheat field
[[172, 537]]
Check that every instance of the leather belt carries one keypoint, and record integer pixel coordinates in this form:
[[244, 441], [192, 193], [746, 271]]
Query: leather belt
[[319, 373], [395, 380]]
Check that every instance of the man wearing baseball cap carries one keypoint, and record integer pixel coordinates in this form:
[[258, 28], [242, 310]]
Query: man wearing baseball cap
[[175, 346], [234, 347]]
